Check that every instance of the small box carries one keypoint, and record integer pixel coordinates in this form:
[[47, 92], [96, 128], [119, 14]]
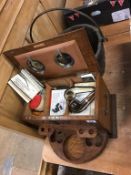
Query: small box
[[103, 12], [77, 45], [89, 131]]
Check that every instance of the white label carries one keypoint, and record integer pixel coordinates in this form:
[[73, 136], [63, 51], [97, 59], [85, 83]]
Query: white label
[[121, 15], [58, 102], [25, 86]]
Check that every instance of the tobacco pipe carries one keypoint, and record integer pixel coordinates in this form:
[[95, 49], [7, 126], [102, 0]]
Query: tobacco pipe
[[76, 106]]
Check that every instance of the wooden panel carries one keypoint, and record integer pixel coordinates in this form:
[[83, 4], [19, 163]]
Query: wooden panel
[[7, 17], [55, 17], [21, 25], [43, 28], [73, 3], [16, 39], [116, 157], [118, 72], [116, 39], [19, 171], [26, 43], [48, 169], [23, 151], [117, 28], [103, 104], [4, 75], [43, 168], [9, 100], [2, 4], [11, 124]]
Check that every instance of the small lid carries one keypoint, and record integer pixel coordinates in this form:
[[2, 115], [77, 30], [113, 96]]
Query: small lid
[[74, 46]]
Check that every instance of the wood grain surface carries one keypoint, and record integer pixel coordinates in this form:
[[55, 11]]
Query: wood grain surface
[[73, 3], [56, 16], [43, 28], [9, 99], [7, 18], [2, 4], [16, 39]]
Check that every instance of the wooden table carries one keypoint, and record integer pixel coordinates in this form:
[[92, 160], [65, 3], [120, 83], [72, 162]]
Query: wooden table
[[116, 157]]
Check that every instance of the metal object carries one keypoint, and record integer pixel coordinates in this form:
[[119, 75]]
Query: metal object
[[92, 2], [76, 106], [87, 77], [35, 66], [71, 92], [64, 59]]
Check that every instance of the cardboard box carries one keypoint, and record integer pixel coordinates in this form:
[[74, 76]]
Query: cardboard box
[[105, 12]]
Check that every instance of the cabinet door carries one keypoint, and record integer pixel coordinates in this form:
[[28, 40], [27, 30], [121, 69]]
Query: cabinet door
[[73, 47]]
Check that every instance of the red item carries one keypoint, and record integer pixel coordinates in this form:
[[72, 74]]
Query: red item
[[72, 18], [113, 3], [121, 2], [34, 103]]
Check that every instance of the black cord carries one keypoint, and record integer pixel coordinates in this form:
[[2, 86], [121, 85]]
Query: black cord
[[100, 38], [65, 9]]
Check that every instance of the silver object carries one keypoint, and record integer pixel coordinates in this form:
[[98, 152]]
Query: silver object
[[64, 59], [92, 2]]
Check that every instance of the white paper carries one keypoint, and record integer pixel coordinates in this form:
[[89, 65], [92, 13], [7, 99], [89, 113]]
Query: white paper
[[18, 91], [35, 82], [26, 85], [58, 102], [121, 15]]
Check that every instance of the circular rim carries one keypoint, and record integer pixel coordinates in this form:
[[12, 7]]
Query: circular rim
[[63, 9], [70, 64], [41, 69]]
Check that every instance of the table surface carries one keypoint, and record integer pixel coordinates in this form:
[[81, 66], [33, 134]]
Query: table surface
[[116, 157], [20, 154]]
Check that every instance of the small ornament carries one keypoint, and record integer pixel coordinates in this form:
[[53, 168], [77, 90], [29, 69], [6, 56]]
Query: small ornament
[[113, 3], [77, 15], [121, 2], [72, 18]]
